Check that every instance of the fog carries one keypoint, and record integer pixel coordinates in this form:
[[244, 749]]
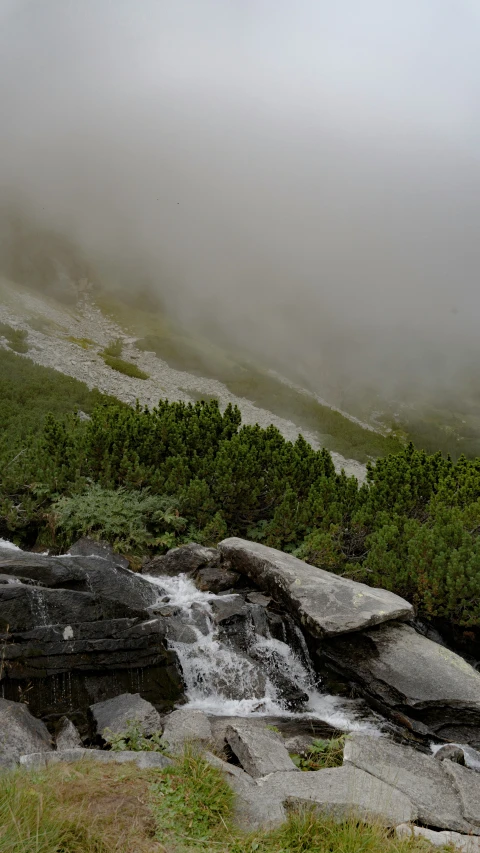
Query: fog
[[299, 180]]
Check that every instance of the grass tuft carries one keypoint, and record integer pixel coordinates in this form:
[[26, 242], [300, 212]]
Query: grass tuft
[[84, 343], [124, 367], [322, 754]]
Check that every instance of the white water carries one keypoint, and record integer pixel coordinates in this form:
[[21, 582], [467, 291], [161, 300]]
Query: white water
[[8, 546], [214, 670]]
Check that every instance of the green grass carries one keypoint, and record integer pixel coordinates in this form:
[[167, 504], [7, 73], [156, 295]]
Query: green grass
[[124, 367], [84, 343]]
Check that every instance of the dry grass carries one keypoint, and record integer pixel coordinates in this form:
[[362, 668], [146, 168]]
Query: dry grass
[[78, 808]]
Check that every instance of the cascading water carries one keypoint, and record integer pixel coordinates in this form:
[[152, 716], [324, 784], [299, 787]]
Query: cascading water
[[256, 674]]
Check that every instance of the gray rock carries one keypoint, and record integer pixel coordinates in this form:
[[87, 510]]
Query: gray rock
[[144, 760], [20, 732], [86, 547], [116, 715], [259, 750], [467, 783], [67, 736], [325, 604], [418, 776], [452, 752], [182, 727], [82, 574], [259, 598], [224, 608], [407, 672], [464, 843], [299, 744], [186, 559], [254, 807], [342, 792], [216, 579]]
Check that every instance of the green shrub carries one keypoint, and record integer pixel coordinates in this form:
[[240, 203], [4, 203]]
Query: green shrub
[[322, 754], [16, 338], [129, 520], [124, 367], [114, 348], [133, 739], [414, 527]]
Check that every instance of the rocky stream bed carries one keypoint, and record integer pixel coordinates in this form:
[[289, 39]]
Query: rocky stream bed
[[249, 653]]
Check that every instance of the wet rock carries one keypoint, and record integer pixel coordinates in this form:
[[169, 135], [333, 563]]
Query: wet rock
[[87, 574], [186, 559], [430, 689], [77, 629], [259, 750], [227, 607], [87, 547], [216, 579], [119, 713], [452, 752], [184, 726], [418, 776], [67, 735], [20, 733], [325, 604], [259, 598], [24, 607], [342, 793], [463, 843]]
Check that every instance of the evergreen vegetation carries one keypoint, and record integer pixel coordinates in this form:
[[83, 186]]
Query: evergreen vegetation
[[16, 338], [148, 480]]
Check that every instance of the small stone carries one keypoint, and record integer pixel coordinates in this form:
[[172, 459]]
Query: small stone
[[67, 736]]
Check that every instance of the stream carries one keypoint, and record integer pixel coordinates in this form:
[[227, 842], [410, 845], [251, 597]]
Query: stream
[[247, 671]]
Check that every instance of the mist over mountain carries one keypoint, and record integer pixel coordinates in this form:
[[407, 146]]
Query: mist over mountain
[[298, 180]]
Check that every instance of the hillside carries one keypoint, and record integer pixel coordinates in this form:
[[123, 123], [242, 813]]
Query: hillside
[[72, 339]]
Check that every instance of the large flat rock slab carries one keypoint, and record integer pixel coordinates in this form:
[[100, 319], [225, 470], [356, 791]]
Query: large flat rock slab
[[342, 793], [325, 604], [467, 784], [415, 676], [420, 777], [259, 750]]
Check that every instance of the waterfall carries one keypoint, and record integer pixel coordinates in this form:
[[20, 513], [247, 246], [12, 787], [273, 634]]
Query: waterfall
[[255, 674]]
